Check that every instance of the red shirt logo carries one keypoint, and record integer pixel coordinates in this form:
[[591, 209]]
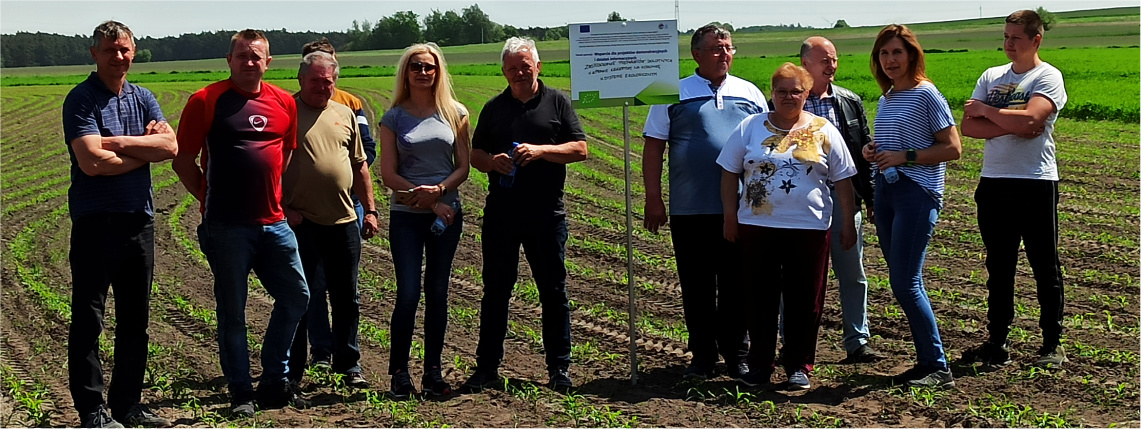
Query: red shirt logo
[[258, 122]]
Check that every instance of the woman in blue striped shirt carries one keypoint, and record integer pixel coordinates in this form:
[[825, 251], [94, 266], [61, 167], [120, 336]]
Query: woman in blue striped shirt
[[914, 137]]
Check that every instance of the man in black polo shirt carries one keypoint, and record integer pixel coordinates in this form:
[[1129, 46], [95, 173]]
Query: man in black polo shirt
[[525, 207]]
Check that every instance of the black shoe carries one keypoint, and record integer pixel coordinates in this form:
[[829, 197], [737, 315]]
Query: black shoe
[[559, 379], [698, 372], [989, 354], [913, 373], [402, 387], [324, 364], [480, 380], [434, 384], [355, 380], [100, 418], [756, 378], [279, 394], [739, 370], [140, 415], [864, 354]]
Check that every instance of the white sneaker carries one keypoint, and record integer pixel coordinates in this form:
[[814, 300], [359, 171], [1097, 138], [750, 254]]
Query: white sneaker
[[799, 380]]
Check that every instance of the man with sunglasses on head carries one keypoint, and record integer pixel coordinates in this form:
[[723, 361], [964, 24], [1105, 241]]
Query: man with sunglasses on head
[[713, 103], [526, 136]]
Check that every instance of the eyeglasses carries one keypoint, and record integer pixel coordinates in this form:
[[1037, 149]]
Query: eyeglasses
[[719, 50], [418, 67], [796, 93]]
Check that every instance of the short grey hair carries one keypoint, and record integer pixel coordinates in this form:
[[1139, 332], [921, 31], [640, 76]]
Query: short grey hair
[[319, 57], [516, 45], [699, 35], [113, 30]]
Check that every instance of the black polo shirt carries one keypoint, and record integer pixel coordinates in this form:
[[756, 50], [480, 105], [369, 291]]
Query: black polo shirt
[[546, 119]]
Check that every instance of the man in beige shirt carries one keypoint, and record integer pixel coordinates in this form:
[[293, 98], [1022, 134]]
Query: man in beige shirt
[[328, 166]]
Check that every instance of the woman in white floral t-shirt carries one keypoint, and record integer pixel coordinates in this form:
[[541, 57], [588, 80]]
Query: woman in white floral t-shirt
[[786, 160]]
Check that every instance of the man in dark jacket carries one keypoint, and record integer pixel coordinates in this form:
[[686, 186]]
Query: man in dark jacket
[[845, 110]]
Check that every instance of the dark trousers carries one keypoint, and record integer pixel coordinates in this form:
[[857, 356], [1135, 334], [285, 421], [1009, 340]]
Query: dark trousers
[[110, 250], [709, 270], [412, 243], [544, 240], [1012, 211], [791, 264], [332, 252]]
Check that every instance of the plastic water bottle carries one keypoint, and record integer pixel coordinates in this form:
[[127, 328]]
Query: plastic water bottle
[[508, 180], [439, 225], [891, 175]]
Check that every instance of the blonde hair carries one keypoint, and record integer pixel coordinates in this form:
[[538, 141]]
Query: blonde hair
[[450, 109], [793, 72]]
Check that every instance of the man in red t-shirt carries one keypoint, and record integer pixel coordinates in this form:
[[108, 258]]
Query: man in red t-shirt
[[245, 131]]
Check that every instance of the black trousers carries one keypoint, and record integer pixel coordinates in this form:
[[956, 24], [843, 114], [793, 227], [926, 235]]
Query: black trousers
[[1013, 211], [709, 270], [108, 250]]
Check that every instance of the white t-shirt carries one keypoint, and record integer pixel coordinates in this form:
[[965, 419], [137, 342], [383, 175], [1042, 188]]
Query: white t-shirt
[[786, 173], [1011, 156]]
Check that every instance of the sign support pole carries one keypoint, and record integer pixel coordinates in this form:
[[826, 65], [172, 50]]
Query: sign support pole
[[630, 248]]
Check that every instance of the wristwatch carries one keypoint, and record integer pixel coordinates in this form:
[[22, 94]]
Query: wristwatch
[[372, 212], [911, 157]]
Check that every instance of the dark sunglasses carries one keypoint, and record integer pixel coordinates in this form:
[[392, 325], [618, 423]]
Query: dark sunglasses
[[419, 67]]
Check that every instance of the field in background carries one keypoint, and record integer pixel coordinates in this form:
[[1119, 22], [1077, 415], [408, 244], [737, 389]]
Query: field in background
[[1094, 28], [1099, 219]]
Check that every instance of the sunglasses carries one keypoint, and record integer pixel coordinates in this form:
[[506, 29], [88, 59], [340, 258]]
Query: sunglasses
[[419, 67]]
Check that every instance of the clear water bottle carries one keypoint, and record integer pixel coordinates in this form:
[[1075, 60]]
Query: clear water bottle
[[439, 225], [890, 174], [508, 180]]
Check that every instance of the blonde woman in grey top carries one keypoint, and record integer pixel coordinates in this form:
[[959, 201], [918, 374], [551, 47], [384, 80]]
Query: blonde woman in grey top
[[425, 143]]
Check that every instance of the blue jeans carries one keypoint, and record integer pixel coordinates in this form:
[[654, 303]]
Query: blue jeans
[[331, 256], [905, 220], [271, 252], [410, 238], [853, 284], [544, 240], [317, 318]]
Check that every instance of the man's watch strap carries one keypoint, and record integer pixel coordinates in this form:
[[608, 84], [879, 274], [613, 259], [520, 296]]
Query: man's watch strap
[[372, 212], [911, 155]]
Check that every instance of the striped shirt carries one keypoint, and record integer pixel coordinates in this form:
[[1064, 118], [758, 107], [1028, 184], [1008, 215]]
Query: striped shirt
[[909, 119]]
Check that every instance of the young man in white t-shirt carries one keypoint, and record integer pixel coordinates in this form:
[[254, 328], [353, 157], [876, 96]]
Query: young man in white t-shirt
[[1014, 107]]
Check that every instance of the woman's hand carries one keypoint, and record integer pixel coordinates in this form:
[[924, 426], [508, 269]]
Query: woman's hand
[[889, 158], [425, 196], [445, 212]]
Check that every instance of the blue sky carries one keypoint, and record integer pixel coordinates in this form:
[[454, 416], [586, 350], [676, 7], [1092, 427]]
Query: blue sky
[[164, 18]]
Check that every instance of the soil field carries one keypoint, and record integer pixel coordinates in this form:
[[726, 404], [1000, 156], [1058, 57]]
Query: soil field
[[1098, 216]]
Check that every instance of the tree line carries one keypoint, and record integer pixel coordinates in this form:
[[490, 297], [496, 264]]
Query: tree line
[[468, 26]]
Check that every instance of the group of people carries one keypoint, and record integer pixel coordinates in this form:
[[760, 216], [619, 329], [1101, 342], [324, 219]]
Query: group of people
[[762, 194], [757, 188]]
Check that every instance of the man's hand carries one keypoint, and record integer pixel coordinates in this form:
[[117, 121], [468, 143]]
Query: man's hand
[[655, 214], [526, 152], [869, 152], [871, 217], [848, 233], [292, 217], [976, 109], [502, 163], [370, 226], [730, 230]]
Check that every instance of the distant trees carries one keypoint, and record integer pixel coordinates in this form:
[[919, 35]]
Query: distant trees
[[467, 26], [1048, 18], [614, 16], [841, 24], [143, 56]]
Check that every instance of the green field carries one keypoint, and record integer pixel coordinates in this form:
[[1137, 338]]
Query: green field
[[1099, 216]]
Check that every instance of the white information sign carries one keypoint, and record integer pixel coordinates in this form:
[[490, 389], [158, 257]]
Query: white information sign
[[624, 63]]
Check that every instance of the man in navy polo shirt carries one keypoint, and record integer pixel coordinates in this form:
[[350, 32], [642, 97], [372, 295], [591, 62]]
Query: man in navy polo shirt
[[113, 130], [713, 103], [526, 136]]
